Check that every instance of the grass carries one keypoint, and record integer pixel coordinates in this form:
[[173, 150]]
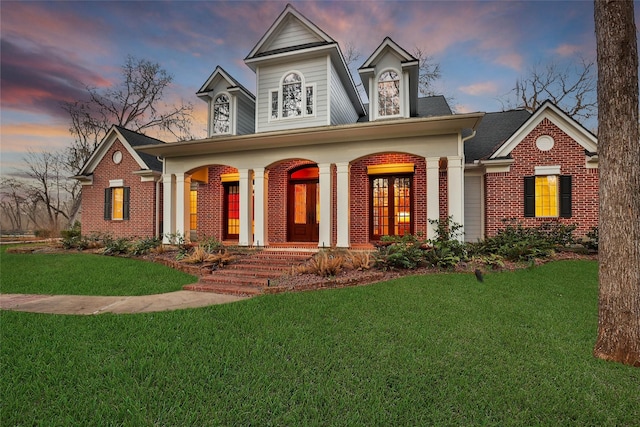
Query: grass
[[85, 274], [424, 350]]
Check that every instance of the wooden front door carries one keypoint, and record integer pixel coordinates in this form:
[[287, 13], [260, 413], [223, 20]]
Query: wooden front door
[[303, 211]]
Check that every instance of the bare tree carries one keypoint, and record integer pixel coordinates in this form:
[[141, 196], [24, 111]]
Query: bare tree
[[12, 202], [619, 150], [47, 172], [573, 89]]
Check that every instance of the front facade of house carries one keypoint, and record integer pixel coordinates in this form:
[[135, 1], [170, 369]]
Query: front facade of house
[[303, 161]]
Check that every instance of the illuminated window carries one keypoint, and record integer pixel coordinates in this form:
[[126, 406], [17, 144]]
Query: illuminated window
[[390, 206], [193, 202], [389, 94], [232, 210], [221, 115], [116, 203], [547, 196]]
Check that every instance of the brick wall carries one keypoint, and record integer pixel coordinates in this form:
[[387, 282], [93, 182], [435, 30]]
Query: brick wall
[[505, 191], [359, 187], [142, 207], [211, 203]]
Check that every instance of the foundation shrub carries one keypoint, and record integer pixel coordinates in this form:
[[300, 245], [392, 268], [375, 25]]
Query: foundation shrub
[[518, 243], [396, 252], [360, 260], [590, 240], [325, 263], [119, 246], [446, 250], [144, 246]]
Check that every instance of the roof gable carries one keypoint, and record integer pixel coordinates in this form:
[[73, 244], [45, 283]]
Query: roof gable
[[220, 75], [291, 31], [128, 139], [386, 46], [494, 129], [548, 110]]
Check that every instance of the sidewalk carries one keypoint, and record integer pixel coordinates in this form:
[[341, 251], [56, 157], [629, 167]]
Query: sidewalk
[[83, 304]]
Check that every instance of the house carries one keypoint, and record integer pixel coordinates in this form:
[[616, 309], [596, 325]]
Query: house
[[304, 162]]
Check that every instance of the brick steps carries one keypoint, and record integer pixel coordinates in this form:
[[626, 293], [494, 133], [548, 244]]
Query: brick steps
[[250, 275]]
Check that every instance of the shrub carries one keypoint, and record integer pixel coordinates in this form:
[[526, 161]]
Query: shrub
[[325, 264], [558, 234], [359, 260], [518, 243], [446, 250], [118, 246], [400, 252], [72, 237], [591, 239], [144, 246], [211, 244]]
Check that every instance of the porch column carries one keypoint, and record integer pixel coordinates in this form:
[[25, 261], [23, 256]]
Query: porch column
[[168, 207], [260, 179], [246, 208], [183, 206], [324, 180], [455, 194], [433, 193], [342, 205]]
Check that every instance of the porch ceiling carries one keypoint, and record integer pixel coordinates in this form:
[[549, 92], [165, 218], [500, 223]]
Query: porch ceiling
[[391, 129]]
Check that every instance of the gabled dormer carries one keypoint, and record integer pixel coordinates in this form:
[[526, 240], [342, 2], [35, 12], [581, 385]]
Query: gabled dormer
[[302, 79], [230, 106], [390, 79]]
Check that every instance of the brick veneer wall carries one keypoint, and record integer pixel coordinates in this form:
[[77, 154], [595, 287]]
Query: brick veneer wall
[[210, 220], [505, 191], [277, 198], [359, 197], [142, 205]]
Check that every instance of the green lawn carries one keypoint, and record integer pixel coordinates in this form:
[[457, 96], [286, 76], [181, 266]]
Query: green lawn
[[425, 350], [85, 274]]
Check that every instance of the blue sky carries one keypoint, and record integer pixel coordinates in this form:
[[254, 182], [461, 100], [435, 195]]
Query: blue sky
[[51, 50]]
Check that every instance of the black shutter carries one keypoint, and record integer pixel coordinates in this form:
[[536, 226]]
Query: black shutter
[[107, 204], [529, 196], [565, 196], [125, 203]]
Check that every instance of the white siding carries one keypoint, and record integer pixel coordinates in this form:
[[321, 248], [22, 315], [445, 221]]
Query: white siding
[[473, 208], [314, 71], [342, 111], [293, 33]]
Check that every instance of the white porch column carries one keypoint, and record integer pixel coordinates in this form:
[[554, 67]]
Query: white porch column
[[433, 193], [342, 205], [183, 208], [168, 207], [260, 178], [455, 194], [246, 208], [324, 180]]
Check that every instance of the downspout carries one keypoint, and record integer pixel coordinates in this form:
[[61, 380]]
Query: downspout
[[157, 207]]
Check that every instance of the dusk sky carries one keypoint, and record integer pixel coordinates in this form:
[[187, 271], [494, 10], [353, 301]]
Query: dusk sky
[[51, 50]]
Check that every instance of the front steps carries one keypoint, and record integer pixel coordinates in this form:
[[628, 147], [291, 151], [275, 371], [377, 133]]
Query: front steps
[[251, 274]]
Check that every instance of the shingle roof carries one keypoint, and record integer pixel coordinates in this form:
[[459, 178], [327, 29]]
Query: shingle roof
[[136, 139], [429, 106], [493, 130]]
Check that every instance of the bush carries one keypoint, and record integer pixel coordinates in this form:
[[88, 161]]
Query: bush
[[518, 243], [72, 238], [591, 239], [144, 246], [325, 263], [446, 250], [400, 252], [360, 260], [211, 244], [118, 246]]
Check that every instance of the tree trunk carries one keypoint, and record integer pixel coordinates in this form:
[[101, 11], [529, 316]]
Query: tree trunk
[[619, 162]]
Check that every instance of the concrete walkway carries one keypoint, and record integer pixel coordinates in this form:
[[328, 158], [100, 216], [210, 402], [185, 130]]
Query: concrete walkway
[[81, 304]]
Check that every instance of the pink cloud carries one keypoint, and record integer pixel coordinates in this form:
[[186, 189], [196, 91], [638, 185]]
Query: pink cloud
[[482, 88], [566, 49]]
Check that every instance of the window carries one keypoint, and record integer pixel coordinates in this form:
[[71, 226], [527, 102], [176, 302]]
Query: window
[[232, 210], [116, 203], [547, 196], [193, 204], [291, 100], [389, 94], [390, 206], [221, 115]]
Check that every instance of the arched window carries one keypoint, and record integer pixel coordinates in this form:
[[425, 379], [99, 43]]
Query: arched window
[[292, 95], [221, 115], [293, 99], [389, 94]]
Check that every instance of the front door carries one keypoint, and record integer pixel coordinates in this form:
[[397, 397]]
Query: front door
[[303, 217]]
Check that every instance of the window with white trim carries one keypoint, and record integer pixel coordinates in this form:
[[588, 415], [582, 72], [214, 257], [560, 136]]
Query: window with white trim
[[389, 94], [221, 115], [293, 98]]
